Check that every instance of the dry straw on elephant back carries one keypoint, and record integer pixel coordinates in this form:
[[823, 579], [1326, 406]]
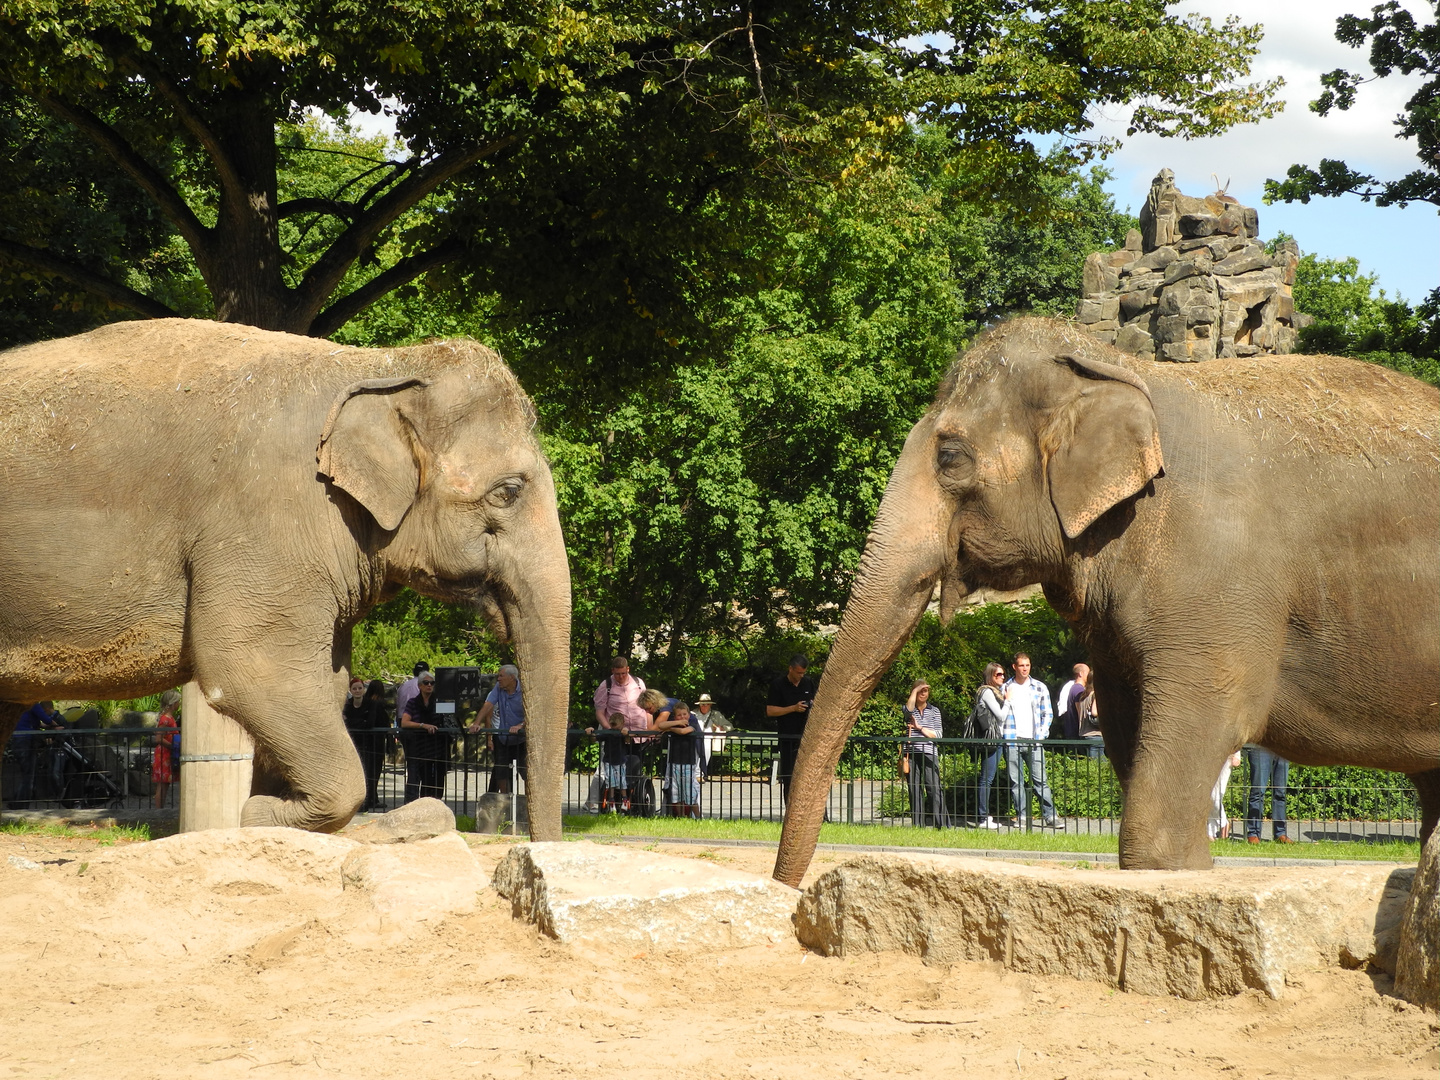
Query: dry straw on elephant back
[[1300, 404]]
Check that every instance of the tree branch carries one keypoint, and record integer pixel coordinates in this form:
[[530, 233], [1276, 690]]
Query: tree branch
[[86, 279], [193, 121], [171, 204], [402, 273], [334, 207], [325, 275]]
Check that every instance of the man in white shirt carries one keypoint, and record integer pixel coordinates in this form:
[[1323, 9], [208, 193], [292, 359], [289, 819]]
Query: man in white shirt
[[1027, 723]]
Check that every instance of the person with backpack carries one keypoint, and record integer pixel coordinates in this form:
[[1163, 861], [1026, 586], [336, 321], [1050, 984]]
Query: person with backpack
[[987, 721], [618, 693]]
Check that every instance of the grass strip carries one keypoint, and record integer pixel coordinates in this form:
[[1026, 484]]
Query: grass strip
[[105, 835], [605, 825]]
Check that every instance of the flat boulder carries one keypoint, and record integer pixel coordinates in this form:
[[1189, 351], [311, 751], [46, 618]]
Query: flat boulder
[[416, 882], [419, 820], [613, 898], [1417, 961], [1187, 934]]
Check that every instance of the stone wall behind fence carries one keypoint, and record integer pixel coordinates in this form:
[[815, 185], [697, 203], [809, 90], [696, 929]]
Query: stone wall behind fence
[[1193, 282]]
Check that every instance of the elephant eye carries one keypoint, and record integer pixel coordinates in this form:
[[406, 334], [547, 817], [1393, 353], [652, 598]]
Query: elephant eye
[[952, 453], [505, 493]]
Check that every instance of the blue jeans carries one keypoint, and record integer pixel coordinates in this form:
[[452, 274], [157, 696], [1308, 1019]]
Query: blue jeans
[[988, 768], [1272, 771], [1034, 756]]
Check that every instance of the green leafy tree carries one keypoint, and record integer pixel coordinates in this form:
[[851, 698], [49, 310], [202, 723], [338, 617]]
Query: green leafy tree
[[577, 147], [1353, 318], [1397, 43]]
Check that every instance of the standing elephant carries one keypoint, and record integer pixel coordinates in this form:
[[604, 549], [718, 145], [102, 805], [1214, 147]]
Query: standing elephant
[[1248, 548], [192, 500]]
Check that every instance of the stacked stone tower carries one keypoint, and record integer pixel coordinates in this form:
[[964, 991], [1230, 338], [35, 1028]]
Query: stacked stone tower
[[1192, 283]]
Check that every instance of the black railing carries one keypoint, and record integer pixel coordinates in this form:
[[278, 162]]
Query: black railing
[[112, 768]]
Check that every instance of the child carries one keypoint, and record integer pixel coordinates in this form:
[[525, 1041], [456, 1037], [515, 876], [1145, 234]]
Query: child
[[683, 773], [612, 737]]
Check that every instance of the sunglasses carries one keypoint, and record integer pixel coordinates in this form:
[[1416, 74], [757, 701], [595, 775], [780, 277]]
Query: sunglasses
[[427, 682]]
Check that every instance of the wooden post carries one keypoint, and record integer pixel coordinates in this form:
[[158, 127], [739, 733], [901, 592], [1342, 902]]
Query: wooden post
[[215, 765]]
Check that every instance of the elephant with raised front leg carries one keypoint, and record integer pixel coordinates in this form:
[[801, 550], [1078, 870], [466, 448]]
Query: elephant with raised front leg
[[192, 500], [1249, 549]]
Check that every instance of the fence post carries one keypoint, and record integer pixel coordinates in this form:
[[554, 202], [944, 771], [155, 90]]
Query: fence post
[[215, 765]]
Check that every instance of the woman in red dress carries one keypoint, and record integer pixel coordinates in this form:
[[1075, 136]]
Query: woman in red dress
[[162, 764]]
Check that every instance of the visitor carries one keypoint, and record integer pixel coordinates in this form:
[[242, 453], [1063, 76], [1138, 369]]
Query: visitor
[[164, 765], [427, 750], [1065, 702], [617, 693], [990, 712], [714, 724], [1087, 720], [365, 718], [29, 749], [504, 714], [788, 704], [1218, 827], [1273, 771], [922, 728], [646, 744], [409, 688], [1027, 723], [612, 737], [682, 769]]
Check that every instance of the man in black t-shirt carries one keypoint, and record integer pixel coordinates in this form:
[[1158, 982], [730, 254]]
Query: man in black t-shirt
[[788, 705]]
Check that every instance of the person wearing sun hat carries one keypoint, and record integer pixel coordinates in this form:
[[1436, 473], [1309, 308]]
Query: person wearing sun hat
[[714, 725]]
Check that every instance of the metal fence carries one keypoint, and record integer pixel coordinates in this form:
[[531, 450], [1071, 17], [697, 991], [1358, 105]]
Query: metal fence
[[113, 768]]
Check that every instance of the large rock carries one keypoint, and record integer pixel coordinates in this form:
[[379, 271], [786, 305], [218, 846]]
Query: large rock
[[613, 898], [1417, 960], [1189, 934], [422, 880], [419, 820]]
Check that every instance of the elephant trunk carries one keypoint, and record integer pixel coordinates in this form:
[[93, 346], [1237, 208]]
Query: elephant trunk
[[539, 627], [905, 555]]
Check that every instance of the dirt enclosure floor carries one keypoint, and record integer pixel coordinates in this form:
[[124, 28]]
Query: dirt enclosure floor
[[104, 987]]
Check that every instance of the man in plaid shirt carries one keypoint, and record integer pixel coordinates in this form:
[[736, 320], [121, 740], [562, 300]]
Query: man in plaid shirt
[[1027, 723]]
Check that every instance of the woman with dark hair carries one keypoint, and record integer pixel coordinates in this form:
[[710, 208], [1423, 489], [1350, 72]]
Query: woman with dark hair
[[427, 751], [922, 728], [368, 724], [990, 709]]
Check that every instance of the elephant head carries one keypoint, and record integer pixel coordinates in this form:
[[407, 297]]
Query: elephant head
[[1032, 440], [447, 468]]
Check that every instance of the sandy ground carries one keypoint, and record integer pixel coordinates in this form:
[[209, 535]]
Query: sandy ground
[[114, 976]]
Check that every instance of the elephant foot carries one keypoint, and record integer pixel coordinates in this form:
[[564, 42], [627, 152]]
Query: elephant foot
[[1140, 855], [312, 815]]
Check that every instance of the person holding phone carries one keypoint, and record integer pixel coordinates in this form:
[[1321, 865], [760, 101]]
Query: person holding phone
[[788, 704]]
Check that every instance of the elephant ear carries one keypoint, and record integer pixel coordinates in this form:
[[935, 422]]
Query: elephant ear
[[367, 451], [1111, 449]]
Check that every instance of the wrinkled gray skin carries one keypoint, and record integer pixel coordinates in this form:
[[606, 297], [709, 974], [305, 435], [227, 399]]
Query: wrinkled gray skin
[[192, 500], [1248, 549]]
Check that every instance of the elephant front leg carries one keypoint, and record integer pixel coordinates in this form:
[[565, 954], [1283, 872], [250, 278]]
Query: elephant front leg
[[286, 695], [1175, 764]]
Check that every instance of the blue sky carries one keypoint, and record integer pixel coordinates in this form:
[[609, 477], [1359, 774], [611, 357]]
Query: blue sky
[[1402, 247]]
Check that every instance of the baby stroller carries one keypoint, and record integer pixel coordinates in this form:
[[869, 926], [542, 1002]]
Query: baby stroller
[[81, 784]]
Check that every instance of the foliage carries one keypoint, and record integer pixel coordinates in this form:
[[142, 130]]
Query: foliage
[[411, 628], [1397, 43], [574, 147], [1352, 320]]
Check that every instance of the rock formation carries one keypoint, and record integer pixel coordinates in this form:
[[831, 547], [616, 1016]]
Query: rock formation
[[1192, 283]]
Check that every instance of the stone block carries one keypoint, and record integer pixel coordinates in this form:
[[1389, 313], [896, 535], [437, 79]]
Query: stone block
[[1107, 335], [1232, 222], [427, 879], [1117, 259], [1175, 351], [1285, 306], [1180, 270], [1241, 264], [1134, 338], [1170, 328], [418, 820], [1202, 345], [1088, 311], [1158, 259], [1285, 339], [1193, 225], [1135, 301], [1417, 958], [1134, 241], [1251, 219], [1251, 289], [493, 813], [1098, 278], [1191, 934], [617, 899]]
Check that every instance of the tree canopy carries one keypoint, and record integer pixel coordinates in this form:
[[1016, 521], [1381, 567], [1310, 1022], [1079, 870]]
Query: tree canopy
[[563, 157], [1397, 43]]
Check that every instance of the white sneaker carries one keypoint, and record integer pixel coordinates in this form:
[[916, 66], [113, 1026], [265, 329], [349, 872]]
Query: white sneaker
[[990, 823]]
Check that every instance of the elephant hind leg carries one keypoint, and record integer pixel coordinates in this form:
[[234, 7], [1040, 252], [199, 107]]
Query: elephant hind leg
[[1428, 785]]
